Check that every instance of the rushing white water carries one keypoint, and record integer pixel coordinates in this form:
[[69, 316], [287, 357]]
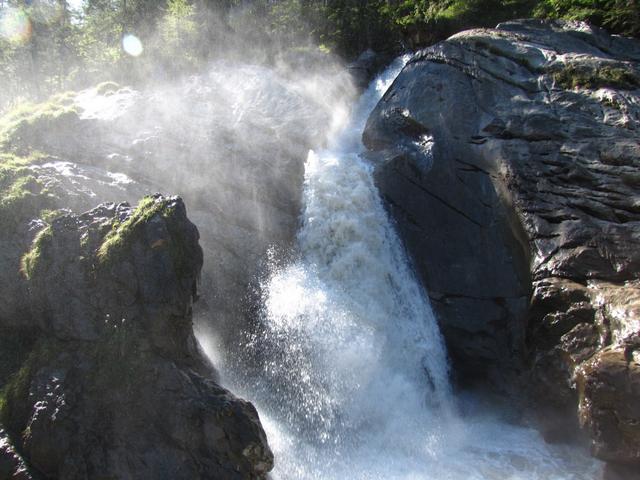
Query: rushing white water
[[348, 371], [355, 381]]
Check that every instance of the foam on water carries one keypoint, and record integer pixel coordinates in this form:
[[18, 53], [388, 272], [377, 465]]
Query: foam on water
[[355, 381]]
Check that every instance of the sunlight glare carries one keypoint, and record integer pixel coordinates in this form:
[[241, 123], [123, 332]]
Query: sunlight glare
[[15, 25], [132, 45]]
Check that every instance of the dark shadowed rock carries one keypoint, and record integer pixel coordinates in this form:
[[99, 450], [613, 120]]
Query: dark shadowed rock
[[509, 158], [364, 68], [12, 466], [116, 386], [609, 390], [34, 190]]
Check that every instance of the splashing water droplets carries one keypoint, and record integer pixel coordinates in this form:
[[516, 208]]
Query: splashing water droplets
[[355, 380]]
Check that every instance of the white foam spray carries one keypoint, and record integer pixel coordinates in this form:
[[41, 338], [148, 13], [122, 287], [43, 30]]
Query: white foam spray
[[355, 381]]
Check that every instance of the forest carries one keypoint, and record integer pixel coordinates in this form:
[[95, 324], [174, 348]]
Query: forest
[[59, 44], [53, 45]]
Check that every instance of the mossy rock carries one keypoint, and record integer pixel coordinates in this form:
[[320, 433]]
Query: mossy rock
[[14, 404], [28, 126], [36, 257], [23, 196], [122, 235], [608, 76]]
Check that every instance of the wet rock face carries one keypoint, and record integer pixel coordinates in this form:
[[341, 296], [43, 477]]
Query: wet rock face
[[12, 465], [368, 64], [509, 159], [609, 389], [116, 385]]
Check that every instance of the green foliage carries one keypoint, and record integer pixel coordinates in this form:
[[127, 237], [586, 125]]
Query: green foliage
[[572, 77], [618, 16], [571, 9], [179, 36], [349, 26], [32, 261], [623, 16], [77, 49]]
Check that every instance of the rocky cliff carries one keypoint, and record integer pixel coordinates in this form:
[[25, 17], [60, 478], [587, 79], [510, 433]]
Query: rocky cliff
[[114, 384], [510, 160]]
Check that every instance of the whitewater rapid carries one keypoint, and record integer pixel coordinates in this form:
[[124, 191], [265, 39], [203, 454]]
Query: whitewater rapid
[[353, 381]]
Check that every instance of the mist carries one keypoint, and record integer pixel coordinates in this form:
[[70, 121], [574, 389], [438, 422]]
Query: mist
[[310, 306]]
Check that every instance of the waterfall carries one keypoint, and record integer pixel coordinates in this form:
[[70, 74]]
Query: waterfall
[[346, 366], [353, 377]]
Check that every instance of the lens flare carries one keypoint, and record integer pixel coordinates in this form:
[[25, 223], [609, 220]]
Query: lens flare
[[15, 25], [132, 45]]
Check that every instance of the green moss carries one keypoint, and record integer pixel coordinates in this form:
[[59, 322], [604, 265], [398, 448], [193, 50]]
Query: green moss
[[107, 88], [22, 195], [22, 128], [573, 76], [50, 215], [13, 166], [122, 234], [32, 260], [14, 406], [14, 397]]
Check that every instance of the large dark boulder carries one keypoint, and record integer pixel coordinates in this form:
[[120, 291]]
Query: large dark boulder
[[115, 385], [509, 158]]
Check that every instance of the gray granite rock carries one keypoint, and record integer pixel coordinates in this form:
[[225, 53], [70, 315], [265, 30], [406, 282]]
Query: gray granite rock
[[509, 158]]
